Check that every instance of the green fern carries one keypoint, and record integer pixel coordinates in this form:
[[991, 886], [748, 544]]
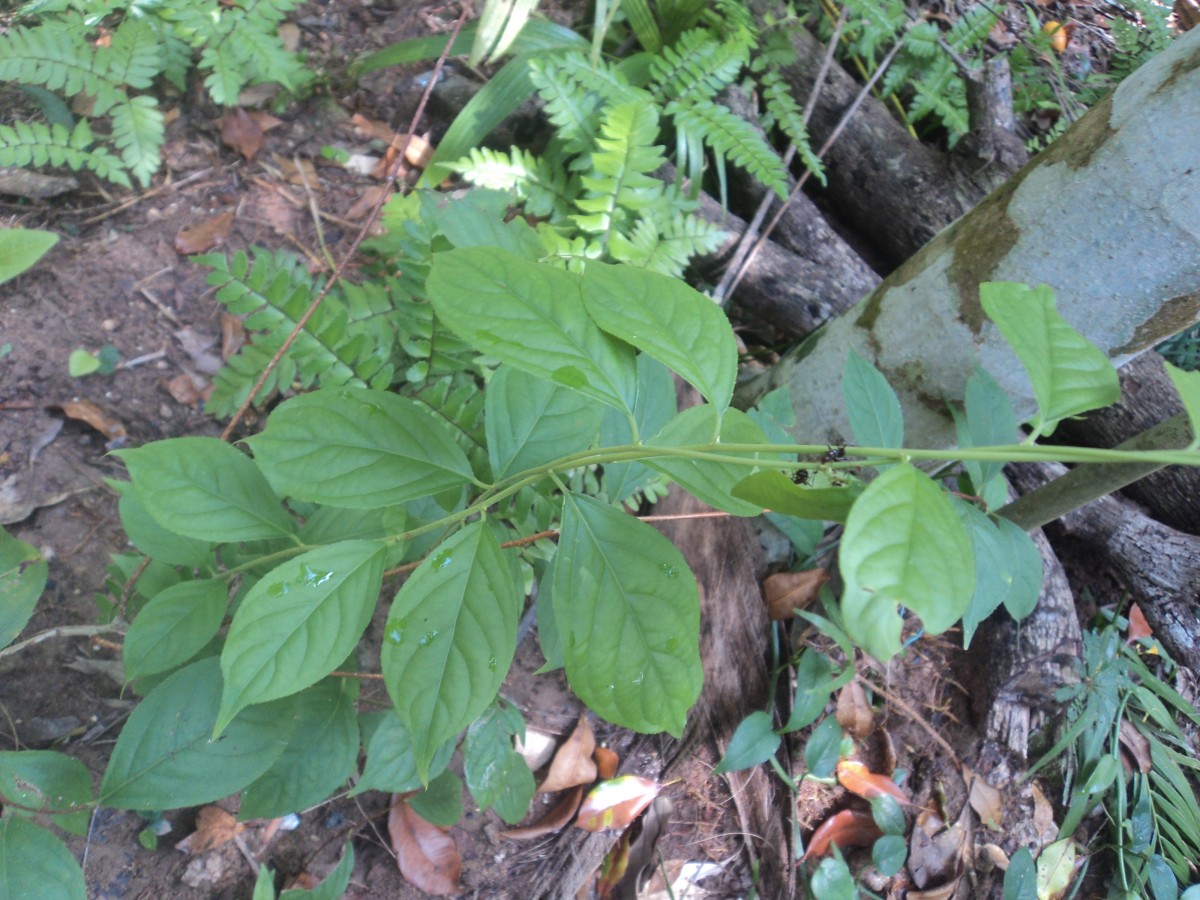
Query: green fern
[[698, 67], [539, 185], [665, 239], [784, 113], [38, 144], [731, 138]]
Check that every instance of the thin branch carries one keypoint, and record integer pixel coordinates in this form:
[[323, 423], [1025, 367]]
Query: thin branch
[[358, 239], [59, 631]]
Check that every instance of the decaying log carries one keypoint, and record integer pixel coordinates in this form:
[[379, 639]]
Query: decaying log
[[1172, 494], [728, 563], [1155, 565]]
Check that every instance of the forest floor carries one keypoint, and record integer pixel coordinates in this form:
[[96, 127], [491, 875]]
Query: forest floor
[[120, 276]]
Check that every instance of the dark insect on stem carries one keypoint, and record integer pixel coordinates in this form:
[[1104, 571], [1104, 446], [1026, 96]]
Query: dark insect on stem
[[834, 454], [800, 476]]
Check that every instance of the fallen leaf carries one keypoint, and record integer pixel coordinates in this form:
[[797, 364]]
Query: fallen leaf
[[786, 592], [241, 133], [992, 856], [854, 713], [203, 237], [556, 818], [1138, 626], [945, 892], [985, 800], [274, 209], [573, 763], [88, 412], [615, 803], [606, 762], [613, 867], [233, 335], [264, 119], [1043, 816], [860, 781], [848, 828], [289, 36], [1055, 869], [293, 173], [1136, 744], [367, 201], [196, 346], [214, 827], [427, 855], [935, 852], [643, 853], [188, 390]]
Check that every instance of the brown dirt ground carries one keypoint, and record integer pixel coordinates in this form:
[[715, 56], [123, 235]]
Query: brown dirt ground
[[115, 277]]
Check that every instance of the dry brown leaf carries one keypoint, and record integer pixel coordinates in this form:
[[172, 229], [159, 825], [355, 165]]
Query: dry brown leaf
[[1043, 816], [289, 36], [367, 201], [854, 713], [274, 209], [991, 856], [188, 390], [294, 174], [606, 762], [214, 827], [196, 345], [203, 237], [936, 854], [848, 828], [615, 803], [1136, 744], [419, 151], [1138, 626], [862, 782], [264, 119], [786, 592], [556, 818], [985, 800], [945, 892], [88, 412], [573, 763], [427, 855], [241, 133], [233, 335]]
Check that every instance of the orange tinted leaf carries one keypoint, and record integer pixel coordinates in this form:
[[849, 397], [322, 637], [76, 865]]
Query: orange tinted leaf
[[203, 237], [214, 827], [558, 818], [854, 712], [849, 828], [606, 762], [241, 133], [859, 780], [617, 802], [573, 762], [786, 592], [1058, 35], [427, 855], [614, 866], [89, 412], [1138, 626], [985, 800]]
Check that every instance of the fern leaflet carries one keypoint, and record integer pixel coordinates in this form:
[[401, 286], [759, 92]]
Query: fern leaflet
[[38, 144], [732, 138], [539, 185], [698, 66]]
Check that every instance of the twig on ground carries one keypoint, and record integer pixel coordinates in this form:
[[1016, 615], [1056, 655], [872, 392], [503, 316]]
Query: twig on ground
[[146, 195]]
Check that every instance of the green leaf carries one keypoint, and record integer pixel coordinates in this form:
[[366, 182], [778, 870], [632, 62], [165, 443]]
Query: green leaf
[[1162, 879], [441, 802], [813, 689], [20, 248], [712, 482], [1188, 386], [654, 405], [628, 611], [298, 622], [1056, 868], [82, 362], [358, 448], [833, 881], [903, 545], [332, 888], [888, 815], [873, 407], [1069, 373], [1008, 568], [450, 639], [532, 317], [391, 765], [668, 320], [264, 884], [174, 626], [330, 524], [34, 863], [155, 541], [780, 494], [1020, 880], [321, 755], [497, 776], [888, 854], [203, 488], [47, 781], [824, 748], [549, 638], [531, 422], [990, 421], [166, 757], [23, 575], [754, 742]]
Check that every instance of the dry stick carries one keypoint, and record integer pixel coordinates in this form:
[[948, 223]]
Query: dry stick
[[919, 720], [154, 192], [800, 182], [734, 269], [59, 631], [358, 239]]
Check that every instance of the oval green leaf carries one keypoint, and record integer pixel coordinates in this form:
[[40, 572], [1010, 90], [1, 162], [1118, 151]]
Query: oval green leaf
[[872, 406], [775, 491], [1008, 568], [47, 781], [628, 611], [358, 448], [903, 546], [20, 248], [754, 742], [669, 321], [34, 863], [154, 540], [298, 622], [167, 758], [450, 639], [23, 575], [174, 626], [391, 765], [203, 488], [531, 316]]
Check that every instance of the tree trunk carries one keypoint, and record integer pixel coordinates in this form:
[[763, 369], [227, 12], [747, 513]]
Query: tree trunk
[[1117, 239]]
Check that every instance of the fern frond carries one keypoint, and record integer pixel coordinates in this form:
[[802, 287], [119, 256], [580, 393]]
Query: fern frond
[[37, 144], [972, 27], [272, 292], [607, 81], [542, 187], [54, 57], [619, 179], [135, 56], [785, 113], [571, 107], [226, 73], [665, 241], [732, 138], [139, 132], [698, 66], [571, 253]]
